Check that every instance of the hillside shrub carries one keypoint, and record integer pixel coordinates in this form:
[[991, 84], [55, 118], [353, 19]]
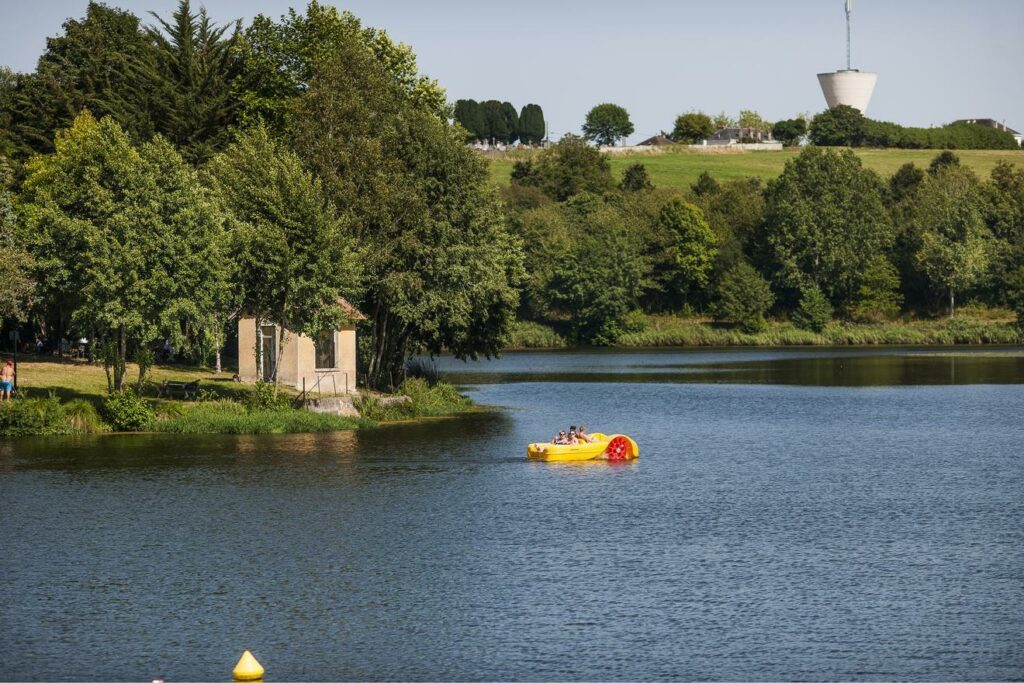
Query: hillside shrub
[[126, 411], [814, 311]]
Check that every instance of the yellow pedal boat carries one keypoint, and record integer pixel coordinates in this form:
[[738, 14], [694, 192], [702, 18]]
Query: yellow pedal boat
[[616, 447]]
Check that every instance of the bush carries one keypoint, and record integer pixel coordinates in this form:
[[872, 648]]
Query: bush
[[262, 398], [126, 411], [227, 417], [422, 368], [532, 335], [1015, 294], [441, 399], [82, 417], [814, 311], [33, 417], [744, 296]]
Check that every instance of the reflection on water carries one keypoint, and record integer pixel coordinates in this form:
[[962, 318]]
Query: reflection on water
[[831, 367], [837, 514]]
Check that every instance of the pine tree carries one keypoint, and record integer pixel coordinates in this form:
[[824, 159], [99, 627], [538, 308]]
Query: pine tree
[[531, 125]]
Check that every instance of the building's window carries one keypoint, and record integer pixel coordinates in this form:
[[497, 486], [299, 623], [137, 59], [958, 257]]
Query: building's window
[[325, 356]]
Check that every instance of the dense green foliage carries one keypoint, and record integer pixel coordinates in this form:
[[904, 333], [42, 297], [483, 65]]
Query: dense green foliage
[[814, 311], [496, 121], [744, 298], [606, 124], [790, 131], [845, 126], [636, 179], [126, 411], [128, 244], [329, 169], [692, 127]]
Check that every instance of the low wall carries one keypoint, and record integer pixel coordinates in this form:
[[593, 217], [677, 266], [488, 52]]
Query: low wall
[[701, 149]]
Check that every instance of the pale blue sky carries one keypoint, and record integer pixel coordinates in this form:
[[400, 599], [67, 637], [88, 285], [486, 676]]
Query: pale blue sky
[[937, 60]]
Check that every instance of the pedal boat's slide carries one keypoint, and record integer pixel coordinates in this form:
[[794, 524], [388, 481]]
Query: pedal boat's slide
[[616, 447]]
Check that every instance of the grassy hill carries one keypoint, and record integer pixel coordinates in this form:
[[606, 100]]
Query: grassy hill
[[680, 168]]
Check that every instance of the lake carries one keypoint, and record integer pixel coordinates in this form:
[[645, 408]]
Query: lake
[[851, 514]]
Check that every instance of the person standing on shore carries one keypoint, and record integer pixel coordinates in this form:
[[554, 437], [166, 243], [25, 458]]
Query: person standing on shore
[[6, 381]]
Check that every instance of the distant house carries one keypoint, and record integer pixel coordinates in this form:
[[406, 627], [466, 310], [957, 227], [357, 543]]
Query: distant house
[[326, 364], [656, 141], [737, 135], [998, 125]]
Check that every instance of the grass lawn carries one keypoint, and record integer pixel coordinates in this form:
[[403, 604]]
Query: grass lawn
[[680, 169], [69, 379]]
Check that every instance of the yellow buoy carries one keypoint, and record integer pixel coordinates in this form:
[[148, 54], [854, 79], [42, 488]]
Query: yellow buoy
[[247, 669]]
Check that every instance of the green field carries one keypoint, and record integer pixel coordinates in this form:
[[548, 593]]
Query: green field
[[680, 169]]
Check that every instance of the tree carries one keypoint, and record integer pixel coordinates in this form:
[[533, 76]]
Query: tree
[[597, 283], [790, 131], [954, 243], [441, 270], [1015, 292], [744, 297], [943, 160], [295, 255], [878, 296], [508, 112], [722, 120], [17, 285], [469, 115], [840, 126], [495, 124], [824, 223], [193, 74], [705, 185], [904, 182], [568, 168], [124, 237], [751, 119], [692, 127], [606, 124], [694, 241], [280, 59], [94, 65], [814, 311], [531, 125], [636, 179]]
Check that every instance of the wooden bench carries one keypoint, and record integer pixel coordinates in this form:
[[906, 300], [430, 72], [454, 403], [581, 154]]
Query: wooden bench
[[186, 390]]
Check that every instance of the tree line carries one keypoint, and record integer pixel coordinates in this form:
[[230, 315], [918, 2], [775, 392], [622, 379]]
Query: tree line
[[826, 239], [161, 181], [496, 121], [846, 126]]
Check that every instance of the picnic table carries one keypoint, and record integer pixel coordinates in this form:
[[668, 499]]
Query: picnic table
[[186, 390]]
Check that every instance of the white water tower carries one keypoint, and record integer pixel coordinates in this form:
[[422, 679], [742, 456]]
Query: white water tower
[[849, 86]]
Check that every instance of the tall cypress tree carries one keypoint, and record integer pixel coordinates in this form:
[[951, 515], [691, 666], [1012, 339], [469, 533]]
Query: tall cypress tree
[[494, 120], [469, 115], [511, 117], [531, 124]]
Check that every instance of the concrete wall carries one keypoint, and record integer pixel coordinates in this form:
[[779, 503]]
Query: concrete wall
[[852, 88], [247, 369]]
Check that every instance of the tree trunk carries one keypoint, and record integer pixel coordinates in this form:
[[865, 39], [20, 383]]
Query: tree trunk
[[282, 335], [952, 307], [122, 354], [258, 351], [218, 333]]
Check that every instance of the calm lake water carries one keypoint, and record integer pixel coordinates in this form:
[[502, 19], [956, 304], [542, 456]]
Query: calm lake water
[[796, 514]]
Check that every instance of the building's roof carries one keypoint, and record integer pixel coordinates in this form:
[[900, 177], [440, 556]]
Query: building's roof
[[657, 140], [351, 312], [991, 123]]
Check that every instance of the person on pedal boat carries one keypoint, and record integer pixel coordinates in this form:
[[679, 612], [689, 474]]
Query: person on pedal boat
[[561, 439], [582, 435]]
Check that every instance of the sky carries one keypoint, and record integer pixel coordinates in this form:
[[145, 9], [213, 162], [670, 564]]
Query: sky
[[937, 60]]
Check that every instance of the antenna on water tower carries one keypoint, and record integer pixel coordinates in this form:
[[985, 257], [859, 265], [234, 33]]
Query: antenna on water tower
[[849, 9]]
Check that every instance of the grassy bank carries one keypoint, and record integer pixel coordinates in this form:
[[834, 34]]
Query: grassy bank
[[674, 331], [71, 398], [678, 169]]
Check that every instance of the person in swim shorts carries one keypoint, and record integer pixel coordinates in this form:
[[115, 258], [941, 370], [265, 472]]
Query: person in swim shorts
[[6, 381]]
